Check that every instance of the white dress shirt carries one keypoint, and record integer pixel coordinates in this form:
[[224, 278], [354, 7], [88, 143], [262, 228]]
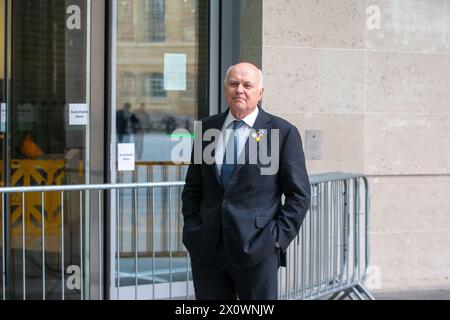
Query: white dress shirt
[[243, 134]]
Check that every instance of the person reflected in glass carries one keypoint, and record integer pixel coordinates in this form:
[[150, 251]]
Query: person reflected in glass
[[170, 123], [141, 130], [127, 124]]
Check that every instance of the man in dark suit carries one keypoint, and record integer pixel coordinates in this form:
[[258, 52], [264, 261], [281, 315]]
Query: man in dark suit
[[236, 227]]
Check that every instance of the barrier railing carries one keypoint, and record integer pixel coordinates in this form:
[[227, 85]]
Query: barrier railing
[[330, 256], [64, 260]]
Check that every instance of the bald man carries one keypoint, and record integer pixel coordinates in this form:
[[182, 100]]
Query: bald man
[[236, 227]]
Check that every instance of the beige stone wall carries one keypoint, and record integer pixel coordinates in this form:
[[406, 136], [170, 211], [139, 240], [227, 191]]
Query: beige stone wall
[[379, 89]]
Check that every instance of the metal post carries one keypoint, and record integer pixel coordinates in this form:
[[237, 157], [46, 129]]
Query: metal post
[[62, 248], [288, 270], [100, 245], [335, 238], [346, 230], [327, 237], [279, 285], [303, 275], [187, 276], [296, 241], [311, 254], [356, 231], [169, 218], [23, 247], [136, 244], [153, 243], [43, 243], [316, 248], [81, 247], [319, 238], [366, 215], [3, 247], [118, 242]]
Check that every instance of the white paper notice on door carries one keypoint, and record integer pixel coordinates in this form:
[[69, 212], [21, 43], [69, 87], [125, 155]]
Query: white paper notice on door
[[126, 156], [175, 69], [78, 114], [3, 117]]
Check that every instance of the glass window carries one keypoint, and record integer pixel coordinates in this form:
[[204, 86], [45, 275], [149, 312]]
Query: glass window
[[190, 10], [189, 94], [155, 27], [2, 129], [128, 85], [125, 13], [2, 87], [166, 108], [49, 61], [153, 86], [159, 106]]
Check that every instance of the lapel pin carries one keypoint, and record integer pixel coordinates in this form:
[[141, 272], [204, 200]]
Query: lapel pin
[[258, 135]]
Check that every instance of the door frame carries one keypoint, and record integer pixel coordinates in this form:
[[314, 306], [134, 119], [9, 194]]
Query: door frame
[[214, 92], [95, 133]]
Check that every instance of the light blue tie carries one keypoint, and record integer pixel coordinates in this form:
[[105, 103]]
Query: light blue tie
[[228, 168]]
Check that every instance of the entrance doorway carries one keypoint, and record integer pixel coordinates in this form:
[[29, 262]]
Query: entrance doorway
[[162, 68], [47, 115]]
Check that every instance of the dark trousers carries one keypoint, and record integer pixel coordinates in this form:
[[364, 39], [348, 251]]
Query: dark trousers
[[219, 280]]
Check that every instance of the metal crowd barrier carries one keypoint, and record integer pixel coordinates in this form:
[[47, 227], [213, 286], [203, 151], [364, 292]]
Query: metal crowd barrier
[[328, 259], [330, 256], [44, 279]]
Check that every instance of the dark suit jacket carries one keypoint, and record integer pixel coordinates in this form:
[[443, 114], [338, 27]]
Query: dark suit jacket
[[249, 211]]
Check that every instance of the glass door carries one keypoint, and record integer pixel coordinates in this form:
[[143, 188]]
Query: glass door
[[161, 68], [47, 140], [2, 87], [2, 139]]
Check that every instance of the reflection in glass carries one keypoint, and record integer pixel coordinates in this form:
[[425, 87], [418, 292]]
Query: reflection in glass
[[48, 76], [2, 86], [145, 35], [147, 31], [153, 21], [2, 131]]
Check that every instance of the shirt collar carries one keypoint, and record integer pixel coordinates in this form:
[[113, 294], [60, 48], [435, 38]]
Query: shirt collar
[[249, 120]]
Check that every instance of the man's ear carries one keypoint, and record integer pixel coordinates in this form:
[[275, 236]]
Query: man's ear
[[261, 93]]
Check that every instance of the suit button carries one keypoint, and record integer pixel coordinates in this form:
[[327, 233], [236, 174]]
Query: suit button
[[277, 245]]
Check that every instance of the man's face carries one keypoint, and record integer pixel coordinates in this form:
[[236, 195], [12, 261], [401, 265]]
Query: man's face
[[242, 89]]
